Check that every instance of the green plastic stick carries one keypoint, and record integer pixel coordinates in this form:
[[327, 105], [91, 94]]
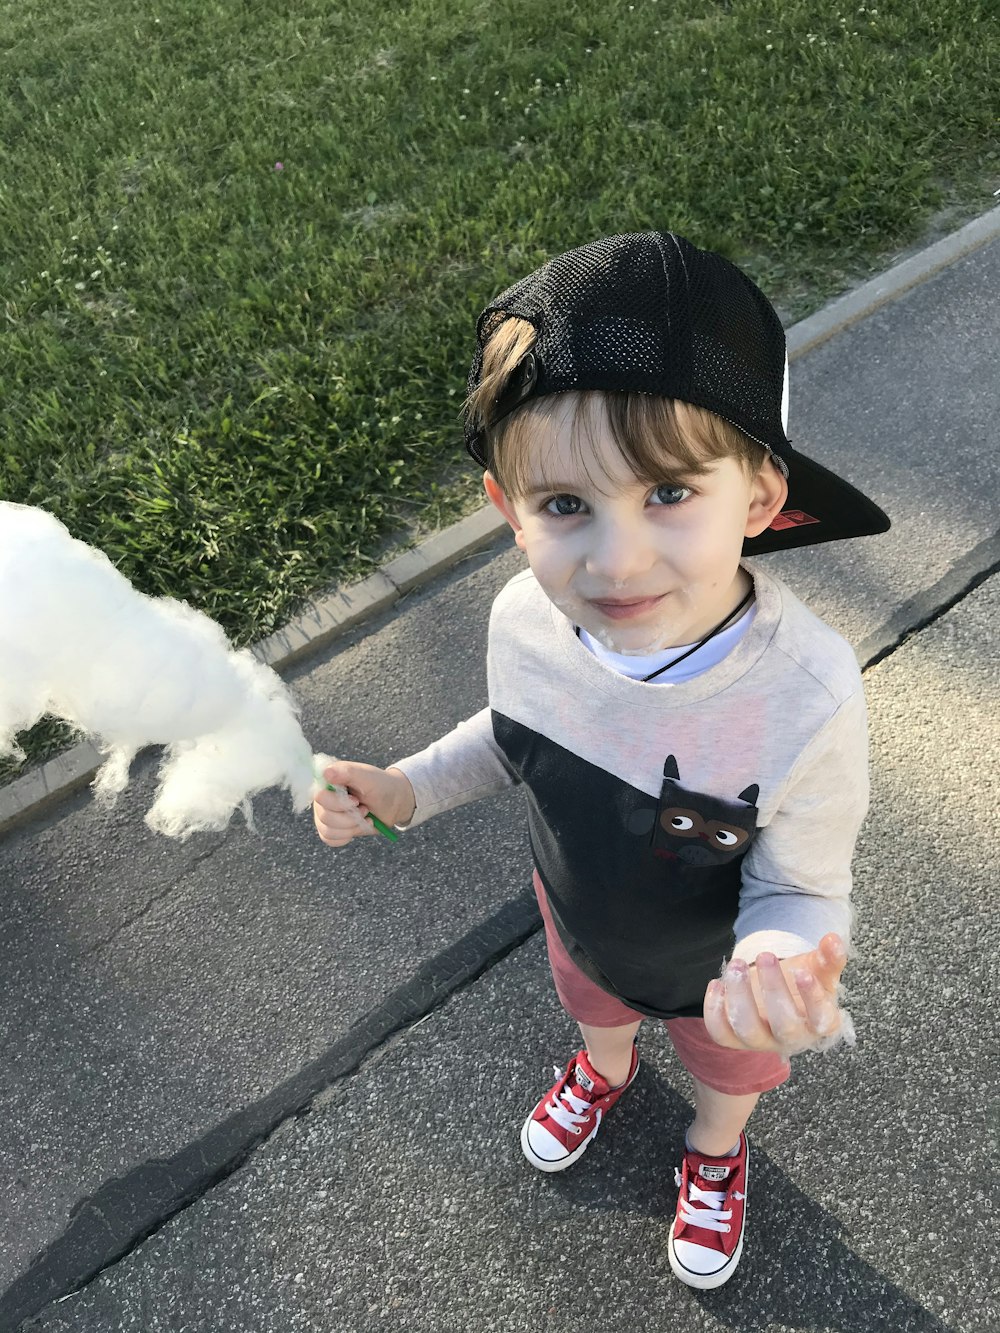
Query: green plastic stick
[[382, 828]]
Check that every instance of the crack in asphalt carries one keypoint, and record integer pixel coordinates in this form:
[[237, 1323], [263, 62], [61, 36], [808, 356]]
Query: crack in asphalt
[[127, 922], [133, 1207], [921, 611]]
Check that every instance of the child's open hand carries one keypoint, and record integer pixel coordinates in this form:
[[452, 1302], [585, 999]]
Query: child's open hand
[[785, 1006]]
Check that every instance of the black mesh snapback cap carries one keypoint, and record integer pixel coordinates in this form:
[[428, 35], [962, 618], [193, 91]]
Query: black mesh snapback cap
[[649, 312]]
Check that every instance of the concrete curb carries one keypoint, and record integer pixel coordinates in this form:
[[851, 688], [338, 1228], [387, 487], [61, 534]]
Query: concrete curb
[[342, 610], [890, 285]]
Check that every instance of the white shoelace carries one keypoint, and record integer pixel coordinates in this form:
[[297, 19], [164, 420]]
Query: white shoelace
[[569, 1116], [712, 1218]]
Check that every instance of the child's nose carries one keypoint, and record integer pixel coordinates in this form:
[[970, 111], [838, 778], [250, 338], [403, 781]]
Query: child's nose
[[618, 553]]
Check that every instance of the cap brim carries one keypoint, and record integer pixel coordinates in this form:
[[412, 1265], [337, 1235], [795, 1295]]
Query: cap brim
[[821, 507]]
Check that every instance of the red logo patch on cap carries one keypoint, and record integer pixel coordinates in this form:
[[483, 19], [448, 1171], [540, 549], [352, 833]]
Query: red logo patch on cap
[[792, 518]]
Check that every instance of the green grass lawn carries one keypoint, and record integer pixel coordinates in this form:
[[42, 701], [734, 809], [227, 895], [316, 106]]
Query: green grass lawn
[[244, 244]]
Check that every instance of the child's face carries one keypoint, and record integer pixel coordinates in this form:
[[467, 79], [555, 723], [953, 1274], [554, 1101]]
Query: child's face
[[599, 535]]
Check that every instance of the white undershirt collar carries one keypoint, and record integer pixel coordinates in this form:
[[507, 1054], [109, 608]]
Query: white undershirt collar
[[708, 656]]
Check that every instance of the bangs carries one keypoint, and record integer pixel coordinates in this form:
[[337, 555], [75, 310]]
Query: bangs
[[656, 437]]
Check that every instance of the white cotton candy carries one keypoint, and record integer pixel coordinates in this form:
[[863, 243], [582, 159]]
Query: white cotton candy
[[77, 641]]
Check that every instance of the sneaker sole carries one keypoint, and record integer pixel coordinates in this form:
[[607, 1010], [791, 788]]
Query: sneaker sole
[[708, 1281], [541, 1163]]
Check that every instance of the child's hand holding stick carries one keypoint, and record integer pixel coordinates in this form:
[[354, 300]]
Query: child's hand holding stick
[[351, 793], [786, 1006]]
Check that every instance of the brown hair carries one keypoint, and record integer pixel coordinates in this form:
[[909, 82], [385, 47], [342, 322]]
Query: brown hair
[[652, 433]]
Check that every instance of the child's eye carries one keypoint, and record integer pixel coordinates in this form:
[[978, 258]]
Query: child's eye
[[560, 500], [672, 495]]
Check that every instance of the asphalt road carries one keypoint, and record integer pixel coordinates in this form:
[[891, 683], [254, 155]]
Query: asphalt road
[[252, 1083]]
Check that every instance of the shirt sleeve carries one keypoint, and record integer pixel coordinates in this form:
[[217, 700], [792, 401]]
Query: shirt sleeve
[[463, 766], [797, 873]]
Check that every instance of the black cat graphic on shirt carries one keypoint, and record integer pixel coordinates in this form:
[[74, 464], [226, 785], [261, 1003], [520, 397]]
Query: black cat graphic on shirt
[[696, 828], [644, 891]]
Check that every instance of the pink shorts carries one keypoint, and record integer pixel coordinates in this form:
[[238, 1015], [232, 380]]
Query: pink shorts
[[735, 1073]]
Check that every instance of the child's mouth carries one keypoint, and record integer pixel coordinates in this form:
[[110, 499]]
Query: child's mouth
[[627, 610]]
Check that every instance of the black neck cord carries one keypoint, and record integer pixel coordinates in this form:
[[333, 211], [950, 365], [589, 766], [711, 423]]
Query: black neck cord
[[701, 642]]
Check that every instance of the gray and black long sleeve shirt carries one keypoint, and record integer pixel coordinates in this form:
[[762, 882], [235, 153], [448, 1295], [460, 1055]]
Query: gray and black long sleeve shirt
[[672, 825]]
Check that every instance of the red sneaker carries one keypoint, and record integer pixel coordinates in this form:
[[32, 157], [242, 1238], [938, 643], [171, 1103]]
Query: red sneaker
[[568, 1117], [706, 1239]]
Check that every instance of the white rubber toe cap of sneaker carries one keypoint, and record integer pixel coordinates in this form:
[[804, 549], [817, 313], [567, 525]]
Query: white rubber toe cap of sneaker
[[543, 1144], [698, 1258]]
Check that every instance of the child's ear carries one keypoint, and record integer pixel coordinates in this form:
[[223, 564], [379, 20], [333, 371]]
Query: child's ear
[[767, 497], [501, 501]]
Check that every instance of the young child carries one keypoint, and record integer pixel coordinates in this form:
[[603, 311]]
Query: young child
[[691, 739]]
